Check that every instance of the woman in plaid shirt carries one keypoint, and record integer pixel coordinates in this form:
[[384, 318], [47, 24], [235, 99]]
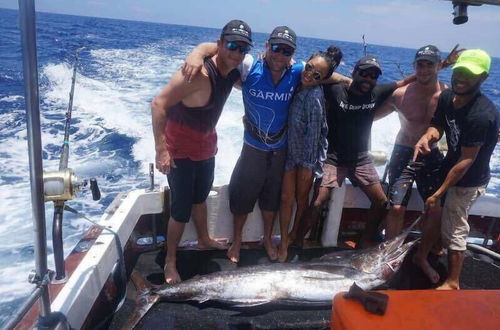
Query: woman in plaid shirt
[[307, 143]]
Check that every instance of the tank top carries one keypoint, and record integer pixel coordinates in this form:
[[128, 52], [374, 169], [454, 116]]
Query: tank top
[[190, 131]]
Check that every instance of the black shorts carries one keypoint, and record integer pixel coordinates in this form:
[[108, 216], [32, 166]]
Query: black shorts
[[190, 183], [258, 175], [426, 171]]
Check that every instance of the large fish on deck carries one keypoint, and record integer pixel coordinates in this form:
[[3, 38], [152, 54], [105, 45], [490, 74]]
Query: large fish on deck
[[292, 283]]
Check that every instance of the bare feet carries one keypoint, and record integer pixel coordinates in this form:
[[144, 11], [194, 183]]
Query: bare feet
[[211, 244], [233, 253], [171, 274], [271, 250], [448, 286], [283, 251], [426, 268]]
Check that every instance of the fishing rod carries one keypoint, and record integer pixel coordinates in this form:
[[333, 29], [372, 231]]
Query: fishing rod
[[63, 162], [364, 44], [62, 185]]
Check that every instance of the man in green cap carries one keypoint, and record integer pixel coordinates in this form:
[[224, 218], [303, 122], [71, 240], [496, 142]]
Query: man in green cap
[[471, 122]]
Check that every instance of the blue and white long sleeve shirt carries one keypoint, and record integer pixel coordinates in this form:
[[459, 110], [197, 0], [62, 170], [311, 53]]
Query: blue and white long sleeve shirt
[[307, 130]]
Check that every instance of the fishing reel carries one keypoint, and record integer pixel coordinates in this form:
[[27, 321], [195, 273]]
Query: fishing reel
[[62, 186]]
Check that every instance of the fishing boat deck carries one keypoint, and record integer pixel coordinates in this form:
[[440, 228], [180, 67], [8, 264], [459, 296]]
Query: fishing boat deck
[[479, 272]]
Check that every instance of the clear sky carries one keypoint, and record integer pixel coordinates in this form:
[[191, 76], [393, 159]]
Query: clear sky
[[404, 23]]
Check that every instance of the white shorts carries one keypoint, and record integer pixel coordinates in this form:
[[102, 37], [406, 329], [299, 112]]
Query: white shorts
[[454, 225]]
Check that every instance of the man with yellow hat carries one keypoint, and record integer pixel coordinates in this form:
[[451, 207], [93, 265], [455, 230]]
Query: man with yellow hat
[[471, 122]]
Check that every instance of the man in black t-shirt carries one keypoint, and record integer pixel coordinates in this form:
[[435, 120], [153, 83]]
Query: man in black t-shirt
[[471, 122], [350, 112]]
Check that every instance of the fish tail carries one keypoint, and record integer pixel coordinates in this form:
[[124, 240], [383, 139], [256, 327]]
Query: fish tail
[[145, 298]]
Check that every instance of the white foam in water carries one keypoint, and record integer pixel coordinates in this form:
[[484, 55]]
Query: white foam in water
[[14, 281], [11, 98]]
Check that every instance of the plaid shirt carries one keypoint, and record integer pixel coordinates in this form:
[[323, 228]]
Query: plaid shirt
[[307, 130]]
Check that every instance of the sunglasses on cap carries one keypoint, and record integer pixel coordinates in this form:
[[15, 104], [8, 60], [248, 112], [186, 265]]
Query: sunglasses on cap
[[233, 46], [365, 73], [286, 51], [315, 74]]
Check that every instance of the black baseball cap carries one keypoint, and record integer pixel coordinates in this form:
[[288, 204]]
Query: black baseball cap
[[237, 30], [283, 35], [367, 62], [429, 53]]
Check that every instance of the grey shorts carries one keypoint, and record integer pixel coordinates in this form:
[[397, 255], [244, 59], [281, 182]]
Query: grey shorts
[[403, 171], [258, 175], [363, 175]]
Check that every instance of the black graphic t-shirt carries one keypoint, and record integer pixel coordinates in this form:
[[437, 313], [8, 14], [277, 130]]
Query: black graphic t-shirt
[[475, 124], [350, 119]]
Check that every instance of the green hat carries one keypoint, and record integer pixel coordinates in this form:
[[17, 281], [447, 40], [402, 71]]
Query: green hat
[[476, 61]]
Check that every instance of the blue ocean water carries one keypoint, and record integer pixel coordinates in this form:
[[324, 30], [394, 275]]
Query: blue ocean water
[[122, 67]]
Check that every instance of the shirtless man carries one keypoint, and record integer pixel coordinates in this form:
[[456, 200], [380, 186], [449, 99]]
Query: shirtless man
[[415, 104], [184, 115]]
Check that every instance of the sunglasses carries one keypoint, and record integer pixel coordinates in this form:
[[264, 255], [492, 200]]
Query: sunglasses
[[372, 74], [233, 46], [286, 51], [316, 75]]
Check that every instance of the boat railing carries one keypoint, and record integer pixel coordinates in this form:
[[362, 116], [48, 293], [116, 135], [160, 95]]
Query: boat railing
[[56, 186]]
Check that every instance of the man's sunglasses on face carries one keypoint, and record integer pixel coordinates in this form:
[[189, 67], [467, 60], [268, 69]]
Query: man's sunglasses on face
[[315, 74], [365, 73], [233, 46], [286, 51]]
